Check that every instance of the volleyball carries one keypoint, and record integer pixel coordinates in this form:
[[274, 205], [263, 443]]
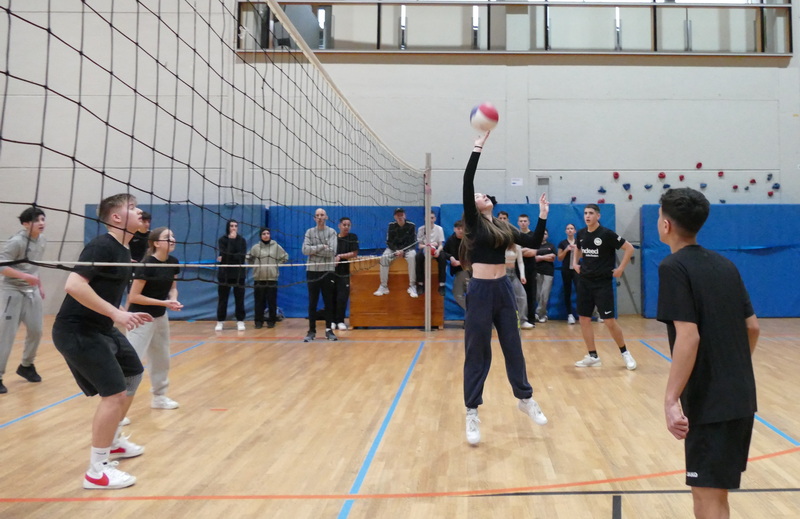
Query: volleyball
[[484, 117]]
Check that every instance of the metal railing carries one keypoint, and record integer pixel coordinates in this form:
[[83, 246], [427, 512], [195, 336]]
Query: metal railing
[[533, 27]]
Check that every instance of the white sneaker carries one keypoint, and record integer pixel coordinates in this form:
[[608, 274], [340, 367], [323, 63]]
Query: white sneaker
[[600, 319], [527, 326], [530, 407], [240, 326], [382, 291], [630, 363], [412, 291], [543, 319], [218, 327], [125, 421], [570, 319], [342, 326], [107, 477], [124, 448], [589, 362], [473, 429], [163, 402]]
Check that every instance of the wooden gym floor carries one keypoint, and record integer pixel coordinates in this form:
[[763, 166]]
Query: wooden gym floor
[[372, 426]]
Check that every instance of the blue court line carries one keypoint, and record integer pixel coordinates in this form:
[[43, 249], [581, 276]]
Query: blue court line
[[758, 418], [362, 473], [45, 408], [32, 413]]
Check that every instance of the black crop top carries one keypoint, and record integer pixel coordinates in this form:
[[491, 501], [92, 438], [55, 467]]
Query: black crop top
[[483, 249]]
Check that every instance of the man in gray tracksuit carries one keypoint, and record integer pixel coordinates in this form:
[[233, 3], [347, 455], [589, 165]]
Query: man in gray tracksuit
[[21, 293]]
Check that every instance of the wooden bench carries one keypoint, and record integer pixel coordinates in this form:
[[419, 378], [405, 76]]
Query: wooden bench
[[395, 309]]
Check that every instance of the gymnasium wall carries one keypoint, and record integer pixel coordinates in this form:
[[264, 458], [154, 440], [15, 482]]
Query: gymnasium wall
[[572, 120]]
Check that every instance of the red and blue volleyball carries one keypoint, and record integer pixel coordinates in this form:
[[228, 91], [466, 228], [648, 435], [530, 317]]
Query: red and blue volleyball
[[484, 117]]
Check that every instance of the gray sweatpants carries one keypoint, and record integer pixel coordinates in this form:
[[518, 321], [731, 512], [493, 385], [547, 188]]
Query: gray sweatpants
[[151, 342], [388, 257], [20, 307]]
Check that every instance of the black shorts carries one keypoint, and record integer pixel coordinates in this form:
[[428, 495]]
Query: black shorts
[[99, 361], [595, 292], [716, 453]]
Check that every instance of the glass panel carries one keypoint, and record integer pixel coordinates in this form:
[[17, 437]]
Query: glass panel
[[777, 27], [253, 26], [354, 27], [636, 28], [581, 28], [723, 30], [437, 27]]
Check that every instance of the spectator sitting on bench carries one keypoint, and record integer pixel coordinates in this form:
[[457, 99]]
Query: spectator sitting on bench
[[400, 240]]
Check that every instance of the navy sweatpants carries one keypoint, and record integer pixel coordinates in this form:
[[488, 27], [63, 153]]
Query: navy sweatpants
[[492, 302]]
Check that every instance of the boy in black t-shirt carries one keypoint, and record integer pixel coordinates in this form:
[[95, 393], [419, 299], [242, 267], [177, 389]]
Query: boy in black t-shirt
[[712, 332], [598, 246], [545, 271], [346, 250], [101, 358]]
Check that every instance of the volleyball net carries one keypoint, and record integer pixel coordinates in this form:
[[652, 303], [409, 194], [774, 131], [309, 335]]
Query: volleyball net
[[205, 111]]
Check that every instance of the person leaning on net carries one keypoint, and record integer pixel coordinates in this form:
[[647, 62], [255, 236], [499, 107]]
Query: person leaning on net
[[598, 246], [710, 400], [266, 255], [101, 359], [22, 293], [435, 240], [346, 250], [490, 299], [232, 249], [154, 291], [400, 239], [319, 244]]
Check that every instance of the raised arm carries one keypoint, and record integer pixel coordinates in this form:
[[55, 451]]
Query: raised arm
[[470, 210], [534, 241]]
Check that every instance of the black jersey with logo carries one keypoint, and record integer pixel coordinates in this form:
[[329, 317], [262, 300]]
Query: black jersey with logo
[[599, 250], [700, 286]]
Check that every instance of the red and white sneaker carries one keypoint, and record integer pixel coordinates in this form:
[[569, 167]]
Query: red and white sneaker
[[124, 448], [110, 477]]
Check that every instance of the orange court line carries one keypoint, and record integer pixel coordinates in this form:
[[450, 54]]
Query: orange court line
[[411, 495]]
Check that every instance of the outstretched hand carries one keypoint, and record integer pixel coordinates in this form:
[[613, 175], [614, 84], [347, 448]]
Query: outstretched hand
[[481, 140], [544, 206]]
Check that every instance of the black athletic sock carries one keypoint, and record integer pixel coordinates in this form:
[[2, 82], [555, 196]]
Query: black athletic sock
[[593, 353], [623, 349]]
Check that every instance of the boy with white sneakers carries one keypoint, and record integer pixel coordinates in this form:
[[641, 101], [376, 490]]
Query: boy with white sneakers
[[598, 245], [400, 239], [101, 358]]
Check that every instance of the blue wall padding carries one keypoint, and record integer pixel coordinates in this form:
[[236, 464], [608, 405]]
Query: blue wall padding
[[560, 215], [759, 239], [289, 225]]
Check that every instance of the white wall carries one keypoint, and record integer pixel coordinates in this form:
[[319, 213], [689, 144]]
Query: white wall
[[577, 120]]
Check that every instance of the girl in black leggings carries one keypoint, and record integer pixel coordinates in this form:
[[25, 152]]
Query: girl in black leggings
[[490, 299]]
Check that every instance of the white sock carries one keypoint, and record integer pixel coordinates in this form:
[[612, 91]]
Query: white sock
[[98, 456]]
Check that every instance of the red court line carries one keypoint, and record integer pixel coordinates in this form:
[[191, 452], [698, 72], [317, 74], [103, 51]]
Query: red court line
[[410, 495]]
